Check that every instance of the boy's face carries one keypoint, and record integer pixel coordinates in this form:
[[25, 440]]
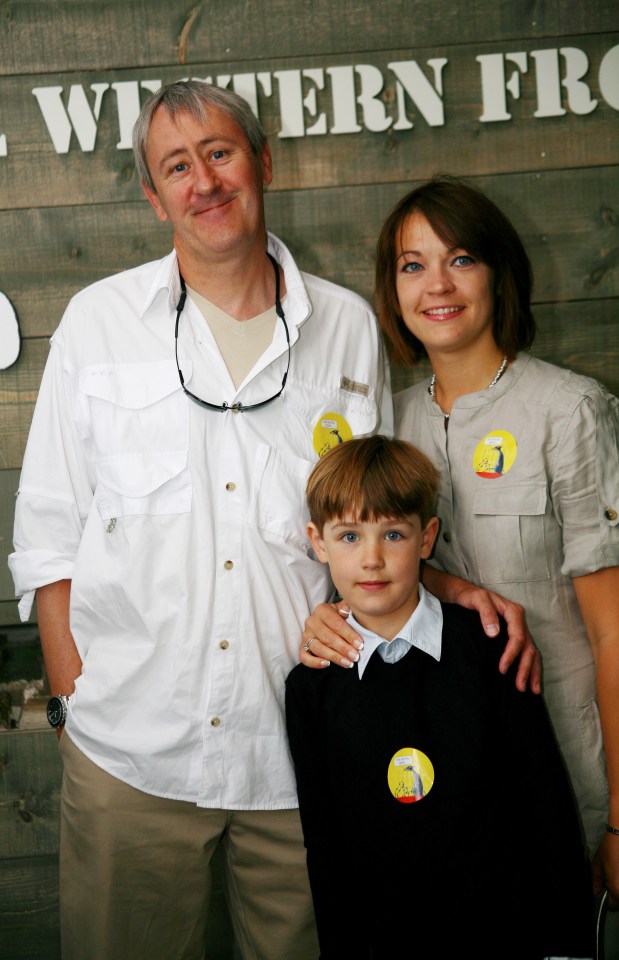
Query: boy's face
[[375, 566]]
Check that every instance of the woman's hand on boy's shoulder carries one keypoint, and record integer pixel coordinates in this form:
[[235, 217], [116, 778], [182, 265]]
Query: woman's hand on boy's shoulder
[[520, 643], [327, 638]]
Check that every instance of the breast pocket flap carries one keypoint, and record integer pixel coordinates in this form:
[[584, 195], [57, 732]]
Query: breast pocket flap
[[131, 385], [523, 501]]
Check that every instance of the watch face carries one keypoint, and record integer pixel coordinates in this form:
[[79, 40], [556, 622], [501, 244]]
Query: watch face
[[55, 711]]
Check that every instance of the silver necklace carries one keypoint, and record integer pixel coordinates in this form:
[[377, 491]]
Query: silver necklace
[[495, 379]]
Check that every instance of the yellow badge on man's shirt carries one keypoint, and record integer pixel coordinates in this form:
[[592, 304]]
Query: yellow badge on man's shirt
[[330, 430], [410, 775], [495, 454]]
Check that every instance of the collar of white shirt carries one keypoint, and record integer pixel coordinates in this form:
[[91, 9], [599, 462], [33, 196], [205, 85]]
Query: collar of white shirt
[[423, 630]]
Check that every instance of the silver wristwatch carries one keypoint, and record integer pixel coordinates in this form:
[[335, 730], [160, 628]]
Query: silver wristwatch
[[57, 710]]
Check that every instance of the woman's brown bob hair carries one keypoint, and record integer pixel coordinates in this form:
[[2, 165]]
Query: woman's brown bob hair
[[371, 478], [464, 218]]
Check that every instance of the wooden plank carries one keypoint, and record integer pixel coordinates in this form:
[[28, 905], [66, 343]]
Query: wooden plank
[[463, 142], [9, 481], [78, 35], [29, 793], [581, 336], [19, 386], [30, 780], [569, 222], [29, 922], [9, 615]]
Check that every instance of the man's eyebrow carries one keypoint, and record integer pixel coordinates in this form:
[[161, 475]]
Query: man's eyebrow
[[177, 151]]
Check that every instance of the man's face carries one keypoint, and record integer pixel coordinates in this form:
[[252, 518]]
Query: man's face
[[208, 184]]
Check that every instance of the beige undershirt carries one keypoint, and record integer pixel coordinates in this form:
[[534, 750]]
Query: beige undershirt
[[241, 342]]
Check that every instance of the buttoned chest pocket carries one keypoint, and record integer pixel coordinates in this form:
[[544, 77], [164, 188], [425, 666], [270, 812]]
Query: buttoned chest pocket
[[278, 506], [510, 541], [135, 423]]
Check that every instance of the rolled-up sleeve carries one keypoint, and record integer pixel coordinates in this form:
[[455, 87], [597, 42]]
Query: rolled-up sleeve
[[55, 490], [585, 489]]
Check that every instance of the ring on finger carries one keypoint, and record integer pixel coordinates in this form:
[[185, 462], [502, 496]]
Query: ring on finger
[[308, 643]]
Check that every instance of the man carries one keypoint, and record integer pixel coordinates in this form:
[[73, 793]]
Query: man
[[162, 501]]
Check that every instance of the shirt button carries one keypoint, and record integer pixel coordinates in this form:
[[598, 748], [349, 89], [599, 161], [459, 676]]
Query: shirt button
[[610, 514], [224, 645], [215, 722], [447, 536], [230, 487], [228, 565]]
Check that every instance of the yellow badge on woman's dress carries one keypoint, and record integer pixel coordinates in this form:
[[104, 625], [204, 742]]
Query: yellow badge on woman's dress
[[330, 430], [410, 775], [495, 454]]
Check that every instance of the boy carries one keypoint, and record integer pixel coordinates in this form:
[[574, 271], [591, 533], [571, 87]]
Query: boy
[[436, 812]]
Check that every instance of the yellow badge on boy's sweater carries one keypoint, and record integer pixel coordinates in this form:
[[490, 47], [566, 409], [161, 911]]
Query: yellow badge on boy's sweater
[[410, 775], [330, 430], [495, 454]]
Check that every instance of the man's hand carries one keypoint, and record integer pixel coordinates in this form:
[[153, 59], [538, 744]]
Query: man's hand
[[488, 604], [332, 639]]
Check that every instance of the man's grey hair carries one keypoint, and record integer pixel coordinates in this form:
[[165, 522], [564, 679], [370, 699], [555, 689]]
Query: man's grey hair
[[193, 97]]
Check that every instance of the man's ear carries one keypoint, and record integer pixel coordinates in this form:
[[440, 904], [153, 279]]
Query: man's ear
[[428, 538], [266, 163], [155, 203], [317, 542]]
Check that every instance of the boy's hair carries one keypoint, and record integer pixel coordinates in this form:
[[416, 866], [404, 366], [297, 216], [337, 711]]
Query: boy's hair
[[372, 478]]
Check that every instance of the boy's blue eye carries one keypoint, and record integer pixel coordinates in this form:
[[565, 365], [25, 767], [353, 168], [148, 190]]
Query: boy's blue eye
[[350, 537], [393, 535]]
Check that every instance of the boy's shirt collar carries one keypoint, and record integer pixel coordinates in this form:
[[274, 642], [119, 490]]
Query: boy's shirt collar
[[423, 630]]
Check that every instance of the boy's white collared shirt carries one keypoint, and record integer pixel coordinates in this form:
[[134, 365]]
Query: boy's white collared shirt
[[423, 630]]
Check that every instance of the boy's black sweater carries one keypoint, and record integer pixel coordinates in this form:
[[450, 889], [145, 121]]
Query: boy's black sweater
[[490, 862]]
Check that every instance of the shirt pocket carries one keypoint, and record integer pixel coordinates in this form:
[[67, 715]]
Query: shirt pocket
[[136, 428], [510, 544], [278, 507]]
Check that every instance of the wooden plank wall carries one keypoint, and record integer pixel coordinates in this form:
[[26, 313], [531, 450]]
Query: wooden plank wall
[[67, 219]]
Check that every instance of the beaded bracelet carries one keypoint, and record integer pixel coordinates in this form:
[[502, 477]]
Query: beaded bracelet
[[612, 829]]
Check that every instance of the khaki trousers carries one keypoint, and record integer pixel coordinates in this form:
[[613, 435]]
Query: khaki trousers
[[135, 877]]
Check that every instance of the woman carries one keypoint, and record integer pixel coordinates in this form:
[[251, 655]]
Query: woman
[[527, 452]]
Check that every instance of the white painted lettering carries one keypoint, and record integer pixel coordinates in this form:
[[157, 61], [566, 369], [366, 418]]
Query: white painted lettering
[[317, 76], [3, 148], [609, 77], [548, 83], [246, 85], [578, 93], [375, 116], [10, 339], [128, 105], [411, 79], [494, 85], [344, 100], [77, 116], [293, 103], [290, 103]]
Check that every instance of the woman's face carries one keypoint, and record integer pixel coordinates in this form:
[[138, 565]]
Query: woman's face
[[445, 295]]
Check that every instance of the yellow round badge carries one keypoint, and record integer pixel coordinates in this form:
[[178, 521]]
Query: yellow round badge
[[330, 430], [410, 775], [495, 454]]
